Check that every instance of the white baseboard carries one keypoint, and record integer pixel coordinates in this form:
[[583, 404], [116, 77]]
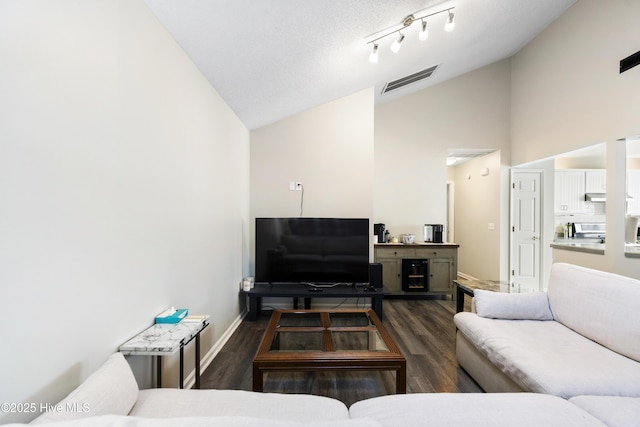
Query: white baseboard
[[190, 379]]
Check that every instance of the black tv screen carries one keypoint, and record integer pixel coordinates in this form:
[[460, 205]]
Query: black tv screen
[[313, 250]]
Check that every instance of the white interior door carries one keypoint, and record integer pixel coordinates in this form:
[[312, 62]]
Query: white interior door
[[526, 226]]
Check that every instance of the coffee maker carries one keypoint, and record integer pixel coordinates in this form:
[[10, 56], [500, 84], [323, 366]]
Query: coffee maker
[[433, 233], [378, 230]]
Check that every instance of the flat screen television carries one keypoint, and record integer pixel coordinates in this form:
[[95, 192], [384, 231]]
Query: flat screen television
[[312, 250]]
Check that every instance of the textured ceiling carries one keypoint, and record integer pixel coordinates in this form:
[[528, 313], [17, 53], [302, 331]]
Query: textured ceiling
[[270, 59]]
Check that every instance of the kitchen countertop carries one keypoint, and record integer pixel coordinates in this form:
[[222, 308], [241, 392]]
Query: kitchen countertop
[[632, 250], [590, 246]]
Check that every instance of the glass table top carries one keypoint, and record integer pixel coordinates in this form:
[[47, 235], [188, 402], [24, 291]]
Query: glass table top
[[315, 319], [352, 331]]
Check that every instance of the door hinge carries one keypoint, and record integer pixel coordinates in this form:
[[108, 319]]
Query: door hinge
[[513, 272]]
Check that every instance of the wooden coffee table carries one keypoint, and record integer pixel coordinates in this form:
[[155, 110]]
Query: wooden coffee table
[[335, 340]]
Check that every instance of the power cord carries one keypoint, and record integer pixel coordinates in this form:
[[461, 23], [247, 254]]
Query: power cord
[[301, 199]]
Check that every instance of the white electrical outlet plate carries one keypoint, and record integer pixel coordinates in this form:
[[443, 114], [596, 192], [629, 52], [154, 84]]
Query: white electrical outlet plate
[[298, 186], [292, 185]]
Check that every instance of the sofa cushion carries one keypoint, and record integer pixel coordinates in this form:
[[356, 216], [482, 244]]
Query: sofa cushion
[[472, 409], [224, 421], [112, 389], [614, 411], [498, 305], [166, 402], [601, 306], [547, 357]]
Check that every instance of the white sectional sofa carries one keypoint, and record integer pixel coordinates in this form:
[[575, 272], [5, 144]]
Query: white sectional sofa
[[569, 357], [580, 341], [110, 397], [581, 337]]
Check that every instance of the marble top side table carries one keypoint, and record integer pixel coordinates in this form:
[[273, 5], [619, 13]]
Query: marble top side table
[[164, 339]]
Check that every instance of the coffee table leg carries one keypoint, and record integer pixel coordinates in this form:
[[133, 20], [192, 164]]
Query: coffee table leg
[[257, 378], [401, 380]]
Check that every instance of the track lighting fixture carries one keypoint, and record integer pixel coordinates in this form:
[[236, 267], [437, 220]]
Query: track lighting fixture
[[423, 34]]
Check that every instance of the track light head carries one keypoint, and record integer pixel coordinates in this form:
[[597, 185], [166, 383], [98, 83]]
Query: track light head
[[395, 46], [373, 56], [449, 25], [424, 31]]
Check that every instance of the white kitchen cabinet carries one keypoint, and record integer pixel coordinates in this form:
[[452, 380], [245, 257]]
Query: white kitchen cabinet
[[571, 185], [595, 181], [633, 191]]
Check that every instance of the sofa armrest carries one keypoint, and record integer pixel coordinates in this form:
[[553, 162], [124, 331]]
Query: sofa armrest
[[111, 390], [526, 306]]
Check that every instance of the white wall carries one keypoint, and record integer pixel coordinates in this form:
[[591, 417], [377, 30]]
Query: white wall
[[412, 135], [329, 149], [123, 191], [567, 93], [477, 205], [567, 89]]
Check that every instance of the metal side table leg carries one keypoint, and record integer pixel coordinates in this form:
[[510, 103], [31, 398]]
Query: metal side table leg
[[158, 371], [181, 366], [197, 385]]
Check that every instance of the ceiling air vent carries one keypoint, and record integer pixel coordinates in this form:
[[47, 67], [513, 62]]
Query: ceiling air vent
[[397, 84]]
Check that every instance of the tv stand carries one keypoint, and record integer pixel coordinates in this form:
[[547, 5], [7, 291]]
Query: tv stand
[[298, 290]]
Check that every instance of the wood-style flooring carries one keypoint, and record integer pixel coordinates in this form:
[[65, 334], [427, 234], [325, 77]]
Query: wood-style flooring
[[423, 329]]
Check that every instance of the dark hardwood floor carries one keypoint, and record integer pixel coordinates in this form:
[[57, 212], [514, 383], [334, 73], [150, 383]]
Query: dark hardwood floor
[[423, 329]]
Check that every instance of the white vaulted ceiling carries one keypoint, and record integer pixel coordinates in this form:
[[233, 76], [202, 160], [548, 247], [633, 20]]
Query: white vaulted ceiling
[[270, 59]]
